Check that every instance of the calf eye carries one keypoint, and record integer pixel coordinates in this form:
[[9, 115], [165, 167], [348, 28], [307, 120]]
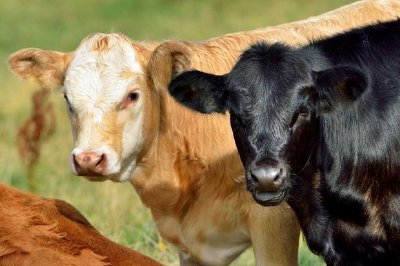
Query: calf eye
[[133, 96], [302, 113], [130, 99]]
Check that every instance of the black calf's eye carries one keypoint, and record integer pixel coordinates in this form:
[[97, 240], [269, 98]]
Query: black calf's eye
[[133, 96], [303, 111]]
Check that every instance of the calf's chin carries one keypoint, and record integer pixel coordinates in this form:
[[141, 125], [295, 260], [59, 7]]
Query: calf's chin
[[269, 198]]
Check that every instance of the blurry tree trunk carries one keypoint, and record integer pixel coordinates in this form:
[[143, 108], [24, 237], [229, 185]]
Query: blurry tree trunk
[[37, 128]]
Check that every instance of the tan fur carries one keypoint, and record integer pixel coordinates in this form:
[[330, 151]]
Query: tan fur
[[101, 45], [374, 225], [189, 173], [40, 231], [111, 130], [126, 74]]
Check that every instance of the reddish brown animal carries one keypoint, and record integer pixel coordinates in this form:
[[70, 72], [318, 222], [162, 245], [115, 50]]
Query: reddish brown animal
[[40, 231]]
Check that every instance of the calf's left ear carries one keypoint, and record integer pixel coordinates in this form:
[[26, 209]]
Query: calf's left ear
[[45, 67], [337, 86], [200, 91]]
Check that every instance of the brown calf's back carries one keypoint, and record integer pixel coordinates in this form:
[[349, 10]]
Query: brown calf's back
[[39, 231]]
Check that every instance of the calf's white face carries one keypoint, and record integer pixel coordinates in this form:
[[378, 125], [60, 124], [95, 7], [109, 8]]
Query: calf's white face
[[104, 84], [102, 87]]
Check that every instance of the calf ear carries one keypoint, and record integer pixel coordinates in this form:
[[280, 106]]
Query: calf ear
[[200, 91], [338, 86], [167, 61], [45, 67]]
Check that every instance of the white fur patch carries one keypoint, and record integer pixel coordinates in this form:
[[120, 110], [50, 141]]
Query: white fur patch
[[97, 115], [93, 79]]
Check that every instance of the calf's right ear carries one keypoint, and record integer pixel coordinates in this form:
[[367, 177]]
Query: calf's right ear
[[45, 67], [337, 86], [202, 92]]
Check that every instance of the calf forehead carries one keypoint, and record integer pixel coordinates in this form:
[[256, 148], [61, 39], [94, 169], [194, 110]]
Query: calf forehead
[[268, 71], [114, 49], [269, 93], [104, 67]]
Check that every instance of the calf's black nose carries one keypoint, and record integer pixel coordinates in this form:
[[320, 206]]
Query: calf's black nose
[[268, 178]]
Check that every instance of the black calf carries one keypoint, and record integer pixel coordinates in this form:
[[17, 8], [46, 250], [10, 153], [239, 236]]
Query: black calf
[[319, 126]]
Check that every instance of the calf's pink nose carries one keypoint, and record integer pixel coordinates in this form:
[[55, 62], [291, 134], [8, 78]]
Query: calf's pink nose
[[90, 163]]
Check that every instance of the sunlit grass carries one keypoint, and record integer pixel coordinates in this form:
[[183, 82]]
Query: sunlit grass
[[114, 209]]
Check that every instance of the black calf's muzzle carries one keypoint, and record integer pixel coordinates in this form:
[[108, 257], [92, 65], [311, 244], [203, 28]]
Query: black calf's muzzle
[[267, 183], [267, 178]]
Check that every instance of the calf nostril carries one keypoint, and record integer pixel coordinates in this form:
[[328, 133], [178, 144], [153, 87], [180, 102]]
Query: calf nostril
[[100, 159], [278, 175], [74, 160], [254, 177], [273, 175]]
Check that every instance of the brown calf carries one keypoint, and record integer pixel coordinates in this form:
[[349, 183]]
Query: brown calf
[[40, 231]]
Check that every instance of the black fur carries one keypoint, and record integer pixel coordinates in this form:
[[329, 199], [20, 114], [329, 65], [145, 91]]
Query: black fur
[[330, 113]]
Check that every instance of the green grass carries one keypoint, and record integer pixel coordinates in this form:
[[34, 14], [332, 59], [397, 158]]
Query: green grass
[[113, 208]]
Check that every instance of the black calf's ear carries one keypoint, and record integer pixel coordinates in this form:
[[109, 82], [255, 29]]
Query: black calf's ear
[[200, 91], [338, 86]]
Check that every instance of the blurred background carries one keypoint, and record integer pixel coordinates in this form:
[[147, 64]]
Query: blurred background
[[114, 209]]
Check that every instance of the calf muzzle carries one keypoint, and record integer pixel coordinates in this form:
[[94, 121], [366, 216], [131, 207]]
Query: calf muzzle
[[90, 163], [267, 184]]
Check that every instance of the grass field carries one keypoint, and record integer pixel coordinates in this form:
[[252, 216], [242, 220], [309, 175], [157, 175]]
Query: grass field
[[114, 209]]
